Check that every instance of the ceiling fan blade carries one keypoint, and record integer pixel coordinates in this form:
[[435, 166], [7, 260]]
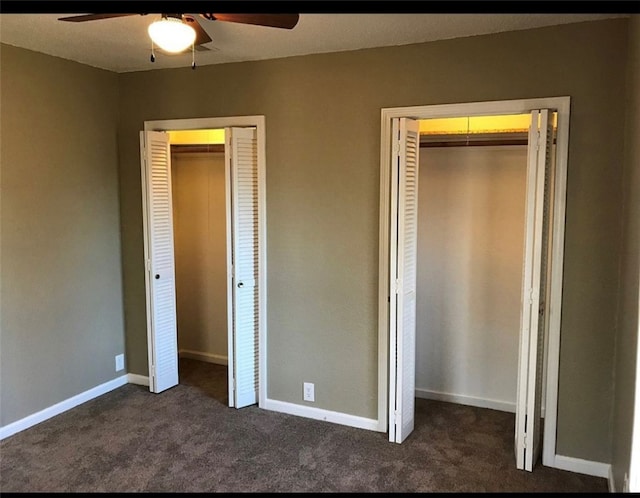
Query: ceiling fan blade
[[286, 21], [92, 17], [201, 35]]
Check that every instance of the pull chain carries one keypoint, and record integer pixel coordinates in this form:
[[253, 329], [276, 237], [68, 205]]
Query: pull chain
[[193, 55]]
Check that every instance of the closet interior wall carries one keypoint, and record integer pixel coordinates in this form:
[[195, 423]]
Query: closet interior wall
[[471, 218]]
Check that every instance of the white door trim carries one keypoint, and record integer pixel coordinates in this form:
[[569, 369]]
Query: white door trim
[[238, 121], [562, 106]]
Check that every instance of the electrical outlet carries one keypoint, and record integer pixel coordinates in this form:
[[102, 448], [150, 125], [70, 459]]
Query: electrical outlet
[[309, 391], [119, 362]]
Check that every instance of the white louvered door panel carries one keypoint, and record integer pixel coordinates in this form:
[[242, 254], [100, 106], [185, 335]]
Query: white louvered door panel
[[160, 256], [536, 353], [393, 278], [530, 368], [405, 274], [242, 145]]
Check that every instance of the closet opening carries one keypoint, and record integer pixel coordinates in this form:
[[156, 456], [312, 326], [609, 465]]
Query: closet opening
[[472, 229], [470, 257], [200, 246]]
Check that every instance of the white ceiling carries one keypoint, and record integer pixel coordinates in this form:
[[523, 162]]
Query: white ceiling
[[122, 44]]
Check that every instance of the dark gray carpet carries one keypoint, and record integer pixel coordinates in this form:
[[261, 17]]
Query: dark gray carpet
[[186, 439]]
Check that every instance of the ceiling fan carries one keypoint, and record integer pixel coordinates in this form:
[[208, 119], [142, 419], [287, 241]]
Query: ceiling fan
[[174, 33]]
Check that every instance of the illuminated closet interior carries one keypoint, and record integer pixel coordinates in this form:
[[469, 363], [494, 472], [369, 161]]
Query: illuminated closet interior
[[471, 225], [200, 245]]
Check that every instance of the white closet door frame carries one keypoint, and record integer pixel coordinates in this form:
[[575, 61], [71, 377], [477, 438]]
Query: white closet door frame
[[257, 122], [562, 106]]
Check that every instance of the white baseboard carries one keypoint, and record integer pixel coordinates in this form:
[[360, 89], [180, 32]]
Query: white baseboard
[[199, 355], [588, 467], [140, 380], [503, 406], [58, 408], [320, 414]]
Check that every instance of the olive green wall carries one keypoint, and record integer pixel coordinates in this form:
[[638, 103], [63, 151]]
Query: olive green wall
[[627, 339], [61, 317], [323, 145]]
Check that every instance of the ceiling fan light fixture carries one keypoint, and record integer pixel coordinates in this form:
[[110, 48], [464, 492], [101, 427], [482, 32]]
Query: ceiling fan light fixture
[[172, 34]]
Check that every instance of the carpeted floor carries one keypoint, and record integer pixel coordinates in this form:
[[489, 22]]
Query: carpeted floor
[[186, 439]]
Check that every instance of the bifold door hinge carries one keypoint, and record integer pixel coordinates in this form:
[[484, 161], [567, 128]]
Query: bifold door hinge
[[397, 415], [396, 286], [396, 143], [530, 296]]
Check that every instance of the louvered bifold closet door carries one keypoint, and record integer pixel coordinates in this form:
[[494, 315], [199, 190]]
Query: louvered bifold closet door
[[536, 353], [160, 278], [534, 290], [406, 268], [242, 145]]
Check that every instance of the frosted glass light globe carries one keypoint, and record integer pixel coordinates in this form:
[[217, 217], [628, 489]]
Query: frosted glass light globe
[[171, 34]]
